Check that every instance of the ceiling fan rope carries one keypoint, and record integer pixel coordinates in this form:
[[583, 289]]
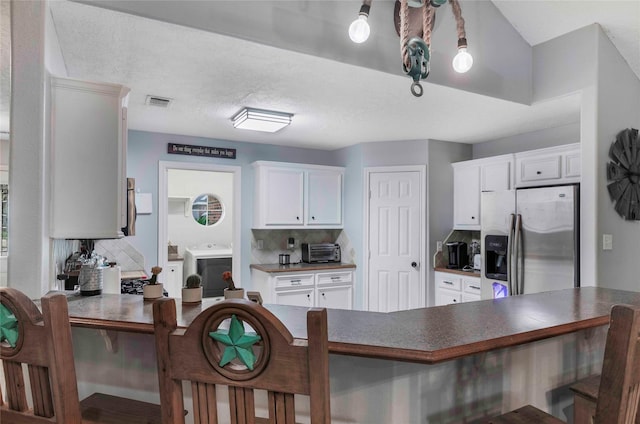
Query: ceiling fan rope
[[457, 12], [404, 28]]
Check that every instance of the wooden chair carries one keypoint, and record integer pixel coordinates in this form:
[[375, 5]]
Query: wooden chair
[[619, 387], [42, 341], [219, 348]]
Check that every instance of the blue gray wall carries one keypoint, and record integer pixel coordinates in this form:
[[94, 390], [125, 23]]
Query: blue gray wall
[[146, 149]]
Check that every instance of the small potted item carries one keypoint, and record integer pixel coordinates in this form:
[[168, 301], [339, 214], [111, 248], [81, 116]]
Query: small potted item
[[231, 292], [192, 290], [153, 289]]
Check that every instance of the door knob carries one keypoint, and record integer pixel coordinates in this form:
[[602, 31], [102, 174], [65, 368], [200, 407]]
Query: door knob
[[414, 264]]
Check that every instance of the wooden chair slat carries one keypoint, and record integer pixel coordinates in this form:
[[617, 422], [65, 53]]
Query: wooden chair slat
[[41, 391], [16, 391], [282, 366]]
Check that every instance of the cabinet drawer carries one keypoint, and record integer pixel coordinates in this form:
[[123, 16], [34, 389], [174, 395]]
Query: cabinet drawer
[[292, 281], [545, 168], [471, 286], [451, 282], [323, 279], [449, 297]]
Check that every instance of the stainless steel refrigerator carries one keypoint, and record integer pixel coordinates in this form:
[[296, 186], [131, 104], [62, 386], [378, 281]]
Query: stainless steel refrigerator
[[530, 240]]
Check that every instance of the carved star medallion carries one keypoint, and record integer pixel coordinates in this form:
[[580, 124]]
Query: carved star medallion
[[238, 343], [8, 326]]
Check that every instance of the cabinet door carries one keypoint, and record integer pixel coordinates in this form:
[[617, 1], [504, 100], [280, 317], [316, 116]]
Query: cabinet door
[[88, 153], [447, 297], [339, 297], [496, 176], [295, 297], [466, 197], [324, 198], [284, 196]]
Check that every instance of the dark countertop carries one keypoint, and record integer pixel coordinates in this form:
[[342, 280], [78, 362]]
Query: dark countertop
[[326, 266], [459, 272], [427, 335]]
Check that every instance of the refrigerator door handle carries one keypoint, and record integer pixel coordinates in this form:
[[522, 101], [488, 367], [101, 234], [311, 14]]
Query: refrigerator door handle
[[510, 279], [518, 282]]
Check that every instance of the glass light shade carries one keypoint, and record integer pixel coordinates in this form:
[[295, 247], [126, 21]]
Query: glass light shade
[[359, 29], [261, 120], [463, 61]]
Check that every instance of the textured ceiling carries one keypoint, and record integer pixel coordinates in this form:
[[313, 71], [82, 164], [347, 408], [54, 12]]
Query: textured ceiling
[[211, 76]]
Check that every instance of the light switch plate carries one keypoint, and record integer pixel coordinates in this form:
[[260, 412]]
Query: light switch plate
[[438, 246], [607, 242]]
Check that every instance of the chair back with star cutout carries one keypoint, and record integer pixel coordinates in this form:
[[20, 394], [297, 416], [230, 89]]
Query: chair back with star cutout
[[241, 345], [41, 343]]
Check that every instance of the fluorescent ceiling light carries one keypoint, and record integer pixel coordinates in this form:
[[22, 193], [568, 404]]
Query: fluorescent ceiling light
[[261, 120]]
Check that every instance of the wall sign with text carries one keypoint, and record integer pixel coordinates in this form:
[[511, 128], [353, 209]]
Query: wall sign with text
[[211, 152]]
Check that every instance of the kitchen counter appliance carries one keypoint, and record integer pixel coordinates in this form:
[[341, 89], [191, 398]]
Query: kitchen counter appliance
[[320, 252], [458, 256], [530, 240]]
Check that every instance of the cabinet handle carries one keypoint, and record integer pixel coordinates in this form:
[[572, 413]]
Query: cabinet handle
[[297, 218], [322, 294], [473, 217], [455, 300], [538, 172], [448, 282], [474, 287], [296, 282], [335, 278], [313, 217]]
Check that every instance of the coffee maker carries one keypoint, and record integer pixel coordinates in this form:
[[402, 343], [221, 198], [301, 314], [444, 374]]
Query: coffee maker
[[458, 257]]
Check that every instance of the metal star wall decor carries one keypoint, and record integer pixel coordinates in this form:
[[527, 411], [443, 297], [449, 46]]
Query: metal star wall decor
[[8, 326], [624, 172], [239, 344]]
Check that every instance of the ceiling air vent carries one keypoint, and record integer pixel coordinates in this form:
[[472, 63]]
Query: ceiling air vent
[[158, 101]]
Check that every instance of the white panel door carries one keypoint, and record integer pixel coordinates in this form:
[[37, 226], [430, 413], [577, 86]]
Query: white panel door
[[394, 241]]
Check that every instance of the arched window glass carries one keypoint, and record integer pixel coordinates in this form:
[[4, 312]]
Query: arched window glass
[[207, 209]]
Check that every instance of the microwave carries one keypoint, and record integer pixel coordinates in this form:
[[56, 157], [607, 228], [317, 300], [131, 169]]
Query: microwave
[[320, 252]]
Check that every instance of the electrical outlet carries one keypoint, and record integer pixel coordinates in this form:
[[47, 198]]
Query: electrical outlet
[[291, 243], [259, 244], [607, 242], [439, 246]]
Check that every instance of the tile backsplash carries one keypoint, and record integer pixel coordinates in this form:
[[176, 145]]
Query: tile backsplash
[[120, 251], [274, 242]]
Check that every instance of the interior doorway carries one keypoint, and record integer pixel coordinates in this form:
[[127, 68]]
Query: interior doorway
[[202, 200], [395, 238]]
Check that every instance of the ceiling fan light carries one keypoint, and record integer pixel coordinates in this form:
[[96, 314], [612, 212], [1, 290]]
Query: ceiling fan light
[[261, 120]]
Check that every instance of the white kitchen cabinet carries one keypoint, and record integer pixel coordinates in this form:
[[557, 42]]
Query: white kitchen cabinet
[[550, 166], [324, 198], [300, 297], [453, 288], [88, 159], [323, 288], [466, 197], [173, 278], [496, 173], [289, 195]]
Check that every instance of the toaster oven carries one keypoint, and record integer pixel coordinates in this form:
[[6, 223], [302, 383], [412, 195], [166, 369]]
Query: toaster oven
[[320, 252]]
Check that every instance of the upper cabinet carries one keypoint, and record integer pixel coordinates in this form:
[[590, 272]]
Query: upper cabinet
[[470, 178], [289, 195], [88, 159], [555, 165], [541, 167]]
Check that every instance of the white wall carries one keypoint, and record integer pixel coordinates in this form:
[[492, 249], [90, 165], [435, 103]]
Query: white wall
[[618, 107], [184, 231]]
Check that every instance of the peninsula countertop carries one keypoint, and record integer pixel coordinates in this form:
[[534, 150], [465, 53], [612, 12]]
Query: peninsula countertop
[[427, 335]]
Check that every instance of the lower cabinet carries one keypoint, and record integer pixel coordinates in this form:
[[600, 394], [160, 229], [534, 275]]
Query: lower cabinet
[[454, 288], [173, 279], [327, 289]]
